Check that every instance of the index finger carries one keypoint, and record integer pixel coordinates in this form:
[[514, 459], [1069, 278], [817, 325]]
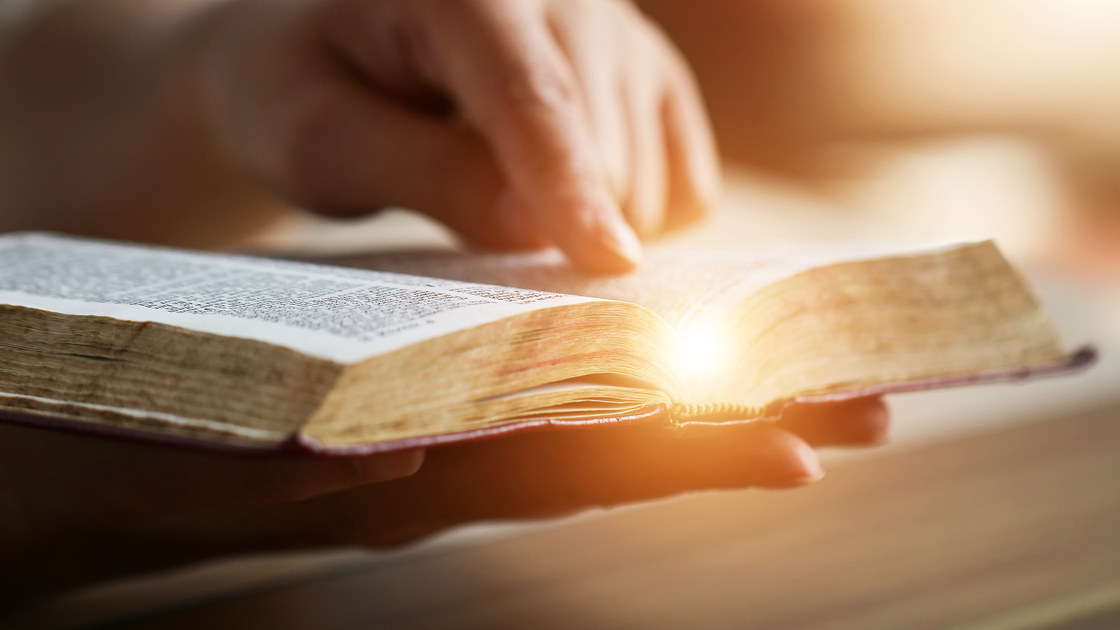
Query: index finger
[[514, 84]]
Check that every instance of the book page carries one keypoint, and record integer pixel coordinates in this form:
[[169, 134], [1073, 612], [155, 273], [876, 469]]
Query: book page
[[343, 315], [682, 286], [698, 293]]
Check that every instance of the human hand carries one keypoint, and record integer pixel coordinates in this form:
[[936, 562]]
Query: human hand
[[77, 508], [82, 508], [514, 122], [542, 474]]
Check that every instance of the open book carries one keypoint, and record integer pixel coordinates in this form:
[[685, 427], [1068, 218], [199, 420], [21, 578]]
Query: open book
[[440, 347]]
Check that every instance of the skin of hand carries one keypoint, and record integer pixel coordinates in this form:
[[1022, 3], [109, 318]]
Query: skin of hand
[[517, 123], [75, 509]]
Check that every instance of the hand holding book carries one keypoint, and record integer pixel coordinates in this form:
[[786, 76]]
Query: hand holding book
[[236, 353], [510, 121], [150, 507]]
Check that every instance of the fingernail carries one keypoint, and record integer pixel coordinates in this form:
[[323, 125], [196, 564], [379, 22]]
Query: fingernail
[[395, 465], [804, 480], [811, 469], [616, 235]]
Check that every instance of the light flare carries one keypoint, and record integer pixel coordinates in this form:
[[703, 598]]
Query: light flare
[[700, 347]]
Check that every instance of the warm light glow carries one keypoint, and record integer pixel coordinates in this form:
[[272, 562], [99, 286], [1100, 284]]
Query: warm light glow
[[699, 347]]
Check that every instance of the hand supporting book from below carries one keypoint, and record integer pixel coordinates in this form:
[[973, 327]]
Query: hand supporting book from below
[[236, 364], [80, 508]]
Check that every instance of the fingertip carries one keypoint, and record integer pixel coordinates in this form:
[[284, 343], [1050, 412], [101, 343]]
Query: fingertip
[[876, 420], [598, 241], [388, 466], [617, 237], [856, 422], [779, 459], [802, 465], [864, 421]]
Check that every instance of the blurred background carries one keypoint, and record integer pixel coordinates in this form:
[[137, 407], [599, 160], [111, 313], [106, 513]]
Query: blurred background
[[992, 507]]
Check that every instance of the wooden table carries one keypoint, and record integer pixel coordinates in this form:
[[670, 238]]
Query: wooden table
[[1013, 529]]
